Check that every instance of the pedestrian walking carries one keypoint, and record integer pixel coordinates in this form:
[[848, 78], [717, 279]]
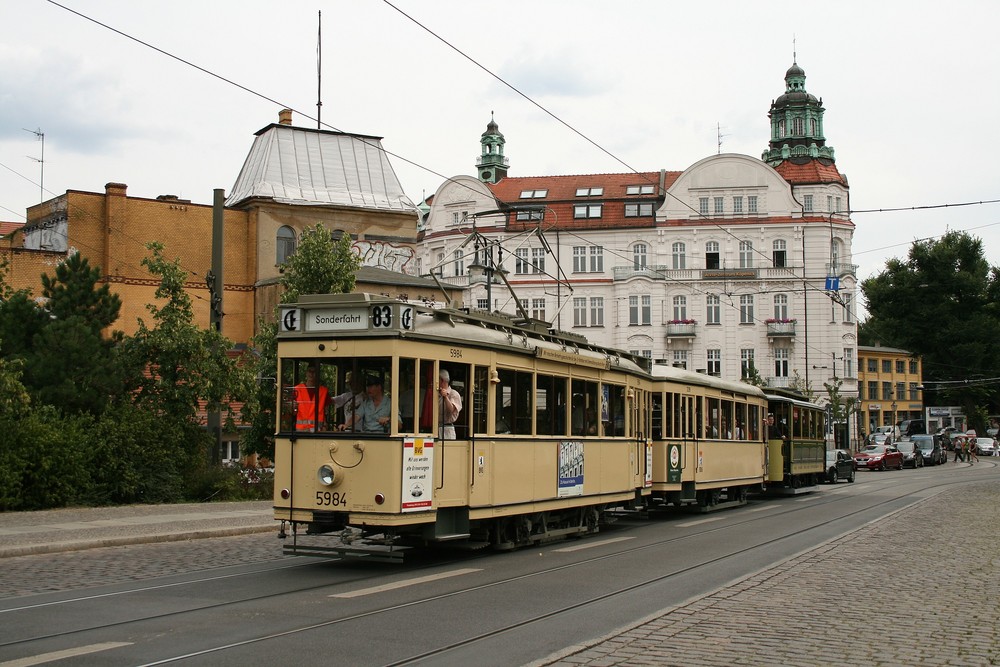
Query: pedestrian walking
[[971, 445], [956, 444]]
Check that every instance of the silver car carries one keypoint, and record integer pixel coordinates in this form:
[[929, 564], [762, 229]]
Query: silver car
[[985, 446]]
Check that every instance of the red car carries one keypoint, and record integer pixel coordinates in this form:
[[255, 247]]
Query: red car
[[879, 457]]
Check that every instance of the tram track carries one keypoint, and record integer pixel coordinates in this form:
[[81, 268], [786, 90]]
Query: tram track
[[466, 559]]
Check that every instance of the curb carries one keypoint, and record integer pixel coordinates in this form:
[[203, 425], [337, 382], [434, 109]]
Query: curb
[[82, 545]]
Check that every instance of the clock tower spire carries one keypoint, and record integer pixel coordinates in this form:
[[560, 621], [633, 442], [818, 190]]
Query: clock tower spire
[[797, 124]]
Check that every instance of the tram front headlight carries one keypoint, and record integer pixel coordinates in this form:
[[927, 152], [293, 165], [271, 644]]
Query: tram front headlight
[[327, 475]]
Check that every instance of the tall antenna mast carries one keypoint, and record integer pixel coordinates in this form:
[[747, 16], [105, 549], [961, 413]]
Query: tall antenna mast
[[718, 138], [40, 160], [319, 69]]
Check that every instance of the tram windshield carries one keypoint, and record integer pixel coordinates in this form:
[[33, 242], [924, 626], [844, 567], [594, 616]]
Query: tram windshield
[[331, 395]]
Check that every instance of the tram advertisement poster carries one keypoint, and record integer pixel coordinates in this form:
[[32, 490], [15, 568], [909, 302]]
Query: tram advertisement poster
[[418, 467], [674, 463], [570, 468]]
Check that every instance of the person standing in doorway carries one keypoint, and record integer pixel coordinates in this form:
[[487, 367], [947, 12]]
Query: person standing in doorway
[[451, 405]]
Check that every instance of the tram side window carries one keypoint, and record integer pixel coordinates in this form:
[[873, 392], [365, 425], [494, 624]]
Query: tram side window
[[753, 422], [714, 418], [550, 405], [613, 409], [797, 423], [699, 412], [480, 394], [407, 393], [727, 420], [740, 431], [583, 417], [657, 414], [514, 405], [427, 391]]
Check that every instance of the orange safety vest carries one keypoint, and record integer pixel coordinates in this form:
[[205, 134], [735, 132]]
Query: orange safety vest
[[305, 406]]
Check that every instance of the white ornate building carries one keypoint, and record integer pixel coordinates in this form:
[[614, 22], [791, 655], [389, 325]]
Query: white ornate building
[[731, 262]]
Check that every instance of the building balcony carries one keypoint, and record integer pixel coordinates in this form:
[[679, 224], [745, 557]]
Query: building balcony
[[653, 272], [841, 269], [781, 329], [681, 329]]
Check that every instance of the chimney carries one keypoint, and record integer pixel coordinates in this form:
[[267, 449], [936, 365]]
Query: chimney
[[285, 117]]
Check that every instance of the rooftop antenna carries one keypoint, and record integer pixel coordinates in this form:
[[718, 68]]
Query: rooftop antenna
[[40, 160], [319, 69], [719, 135], [795, 56]]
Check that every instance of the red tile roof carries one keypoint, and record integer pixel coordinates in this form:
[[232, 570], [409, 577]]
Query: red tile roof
[[8, 227], [813, 171], [560, 197]]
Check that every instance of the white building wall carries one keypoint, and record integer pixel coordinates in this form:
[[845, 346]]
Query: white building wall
[[821, 332]]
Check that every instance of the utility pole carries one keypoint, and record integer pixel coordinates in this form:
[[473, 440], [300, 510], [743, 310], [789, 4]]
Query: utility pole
[[214, 279]]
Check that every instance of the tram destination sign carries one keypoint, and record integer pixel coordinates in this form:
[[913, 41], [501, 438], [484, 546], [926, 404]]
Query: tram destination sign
[[352, 318]]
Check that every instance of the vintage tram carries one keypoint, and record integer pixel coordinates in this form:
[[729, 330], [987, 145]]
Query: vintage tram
[[552, 431], [708, 445], [372, 457], [796, 446]]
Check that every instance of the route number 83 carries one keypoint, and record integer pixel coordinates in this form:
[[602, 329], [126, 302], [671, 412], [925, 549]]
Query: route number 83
[[381, 317]]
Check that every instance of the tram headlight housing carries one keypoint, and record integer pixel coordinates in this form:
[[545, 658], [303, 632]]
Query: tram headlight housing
[[327, 475]]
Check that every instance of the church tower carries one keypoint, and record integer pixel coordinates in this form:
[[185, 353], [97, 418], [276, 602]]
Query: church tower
[[797, 124], [492, 165]]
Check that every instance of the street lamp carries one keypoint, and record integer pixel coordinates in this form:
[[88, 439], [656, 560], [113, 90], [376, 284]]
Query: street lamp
[[893, 407]]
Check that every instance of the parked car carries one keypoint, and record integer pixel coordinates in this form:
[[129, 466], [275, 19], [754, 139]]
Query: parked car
[[879, 457], [911, 454], [839, 465], [931, 449], [880, 439], [985, 446]]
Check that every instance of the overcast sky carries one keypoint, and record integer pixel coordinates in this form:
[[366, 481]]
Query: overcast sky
[[910, 90]]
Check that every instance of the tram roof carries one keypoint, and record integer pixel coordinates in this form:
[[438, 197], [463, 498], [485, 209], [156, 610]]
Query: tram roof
[[667, 372]]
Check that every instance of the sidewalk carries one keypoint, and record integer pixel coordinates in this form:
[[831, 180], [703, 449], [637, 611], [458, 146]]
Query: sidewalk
[[52, 531]]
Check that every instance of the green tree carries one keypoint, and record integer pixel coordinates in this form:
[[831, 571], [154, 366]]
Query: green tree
[[941, 303], [320, 265], [73, 366], [73, 292]]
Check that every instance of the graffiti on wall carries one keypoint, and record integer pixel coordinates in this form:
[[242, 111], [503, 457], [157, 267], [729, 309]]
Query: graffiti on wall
[[48, 234], [385, 255]]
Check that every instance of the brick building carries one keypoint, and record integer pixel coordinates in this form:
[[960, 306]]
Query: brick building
[[292, 179]]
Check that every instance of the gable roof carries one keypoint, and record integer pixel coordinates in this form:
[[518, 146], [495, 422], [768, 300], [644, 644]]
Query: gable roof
[[294, 165]]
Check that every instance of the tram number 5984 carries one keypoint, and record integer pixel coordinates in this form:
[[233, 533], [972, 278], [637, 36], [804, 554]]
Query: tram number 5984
[[328, 499]]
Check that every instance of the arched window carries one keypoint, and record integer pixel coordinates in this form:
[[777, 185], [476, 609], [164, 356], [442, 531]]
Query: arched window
[[284, 244], [459, 263], [678, 256], [639, 256], [798, 127], [781, 128], [746, 254]]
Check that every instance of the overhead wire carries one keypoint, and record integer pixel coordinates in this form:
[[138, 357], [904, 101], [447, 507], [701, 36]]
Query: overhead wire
[[513, 88]]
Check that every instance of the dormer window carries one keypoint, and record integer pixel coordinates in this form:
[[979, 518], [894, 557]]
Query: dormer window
[[590, 192], [534, 194], [639, 189]]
